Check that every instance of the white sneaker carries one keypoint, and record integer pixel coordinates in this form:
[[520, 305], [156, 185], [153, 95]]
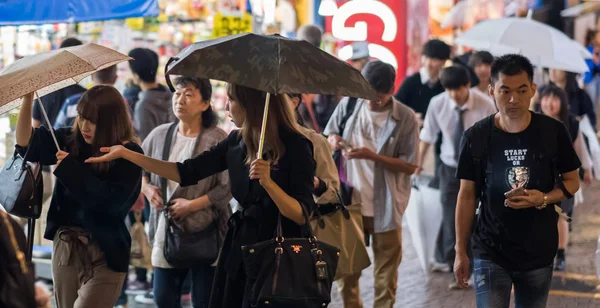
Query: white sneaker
[[147, 299], [440, 268]]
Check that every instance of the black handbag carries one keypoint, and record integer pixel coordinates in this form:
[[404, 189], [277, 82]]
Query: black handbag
[[345, 188], [291, 273], [187, 249], [21, 187]]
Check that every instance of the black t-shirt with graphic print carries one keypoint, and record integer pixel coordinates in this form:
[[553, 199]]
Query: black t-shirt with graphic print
[[523, 239]]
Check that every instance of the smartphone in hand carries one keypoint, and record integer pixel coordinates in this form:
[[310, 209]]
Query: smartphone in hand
[[520, 191], [346, 146]]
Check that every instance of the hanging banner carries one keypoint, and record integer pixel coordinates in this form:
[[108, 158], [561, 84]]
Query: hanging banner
[[27, 12], [224, 25], [380, 23]]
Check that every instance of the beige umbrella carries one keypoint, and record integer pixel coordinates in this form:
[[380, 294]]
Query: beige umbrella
[[49, 71]]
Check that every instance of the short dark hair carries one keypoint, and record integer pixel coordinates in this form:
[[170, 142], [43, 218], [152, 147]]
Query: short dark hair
[[481, 57], [436, 49], [107, 75], [70, 42], [144, 63], [511, 65], [311, 33], [209, 118], [380, 75], [454, 77]]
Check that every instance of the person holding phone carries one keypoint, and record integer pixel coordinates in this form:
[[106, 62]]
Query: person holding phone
[[515, 239]]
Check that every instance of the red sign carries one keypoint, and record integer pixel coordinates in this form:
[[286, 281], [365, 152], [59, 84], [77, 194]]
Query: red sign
[[380, 23]]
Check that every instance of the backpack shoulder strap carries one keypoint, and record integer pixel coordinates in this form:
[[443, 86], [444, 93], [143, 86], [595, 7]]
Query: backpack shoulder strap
[[549, 147], [349, 111], [479, 144]]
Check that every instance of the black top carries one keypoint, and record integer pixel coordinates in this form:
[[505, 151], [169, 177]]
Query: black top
[[293, 173], [416, 95], [53, 102], [82, 197], [581, 104], [523, 239]]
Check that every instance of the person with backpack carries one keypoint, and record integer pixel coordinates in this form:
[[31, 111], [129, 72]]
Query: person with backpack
[[380, 142], [519, 165], [554, 103], [450, 113]]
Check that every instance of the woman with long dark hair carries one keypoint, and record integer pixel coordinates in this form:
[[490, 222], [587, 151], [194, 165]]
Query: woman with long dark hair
[[280, 183], [86, 219], [579, 101], [554, 104]]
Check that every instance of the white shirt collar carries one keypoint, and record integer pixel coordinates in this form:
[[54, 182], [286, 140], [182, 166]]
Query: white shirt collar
[[468, 105], [424, 76]]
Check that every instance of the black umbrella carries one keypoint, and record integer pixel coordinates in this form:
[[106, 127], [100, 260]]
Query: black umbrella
[[272, 64]]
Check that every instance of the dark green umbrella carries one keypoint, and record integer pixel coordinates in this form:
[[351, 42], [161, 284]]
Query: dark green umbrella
[[270, 63]]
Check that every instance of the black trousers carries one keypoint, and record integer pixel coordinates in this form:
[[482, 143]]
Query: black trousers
[[449, 187]]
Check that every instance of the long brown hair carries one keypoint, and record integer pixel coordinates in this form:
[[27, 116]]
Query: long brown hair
[[281, 115], [104, 106]]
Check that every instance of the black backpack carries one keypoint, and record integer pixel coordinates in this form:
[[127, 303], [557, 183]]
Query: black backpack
[[481, 139]]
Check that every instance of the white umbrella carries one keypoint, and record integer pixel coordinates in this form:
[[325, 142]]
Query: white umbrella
[[467, 12], [545, 46]]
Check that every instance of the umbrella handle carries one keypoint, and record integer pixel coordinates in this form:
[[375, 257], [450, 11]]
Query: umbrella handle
[[167, 77], [47, 121], [263, 129]]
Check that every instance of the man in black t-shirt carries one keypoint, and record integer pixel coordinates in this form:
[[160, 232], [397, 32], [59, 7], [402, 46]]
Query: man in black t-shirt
[[515, 238]]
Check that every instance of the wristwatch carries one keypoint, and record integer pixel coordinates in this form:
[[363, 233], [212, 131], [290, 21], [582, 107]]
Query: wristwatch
[[544, 204]]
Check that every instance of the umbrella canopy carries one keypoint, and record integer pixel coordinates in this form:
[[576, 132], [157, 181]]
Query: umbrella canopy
[[272, 64], [545, 46], [50, 71]]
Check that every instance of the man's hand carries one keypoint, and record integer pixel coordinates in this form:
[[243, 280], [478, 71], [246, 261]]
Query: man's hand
[[361, 153], [180, 208], [334, 141], [154, 196], [532, 198], [60, 155], [461, 269], [316, 182]]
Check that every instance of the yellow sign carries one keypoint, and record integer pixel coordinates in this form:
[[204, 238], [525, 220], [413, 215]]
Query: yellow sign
[[231, 25], [135, 23]]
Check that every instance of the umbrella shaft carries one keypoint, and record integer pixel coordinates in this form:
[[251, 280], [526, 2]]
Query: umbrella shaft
[[263, 129], [47, 120]]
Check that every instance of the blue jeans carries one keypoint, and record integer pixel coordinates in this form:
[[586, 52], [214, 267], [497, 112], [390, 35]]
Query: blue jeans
[[168, 284], [493, 286]]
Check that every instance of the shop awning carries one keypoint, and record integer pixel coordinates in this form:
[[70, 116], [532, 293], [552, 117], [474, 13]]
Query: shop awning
[[27, 12]]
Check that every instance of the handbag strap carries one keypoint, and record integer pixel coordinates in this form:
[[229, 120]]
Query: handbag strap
[[165, 157], [19, 255]]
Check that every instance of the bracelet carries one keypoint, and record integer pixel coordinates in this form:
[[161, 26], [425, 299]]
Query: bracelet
[[544, 204]]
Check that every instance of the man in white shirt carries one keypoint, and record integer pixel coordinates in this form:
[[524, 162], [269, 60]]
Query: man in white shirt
[[380, 143], [450, 114]]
